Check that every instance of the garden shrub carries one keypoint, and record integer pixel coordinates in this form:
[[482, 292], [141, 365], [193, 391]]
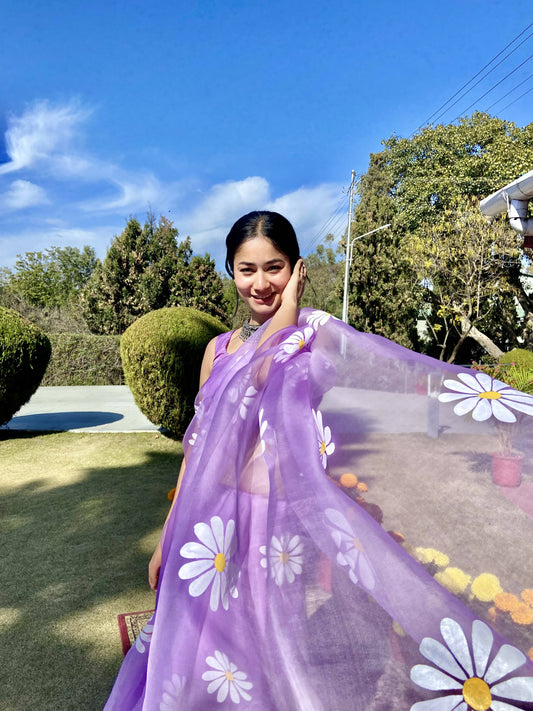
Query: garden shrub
[[84, 359], [519, 357], [161, 355], [24, 355]]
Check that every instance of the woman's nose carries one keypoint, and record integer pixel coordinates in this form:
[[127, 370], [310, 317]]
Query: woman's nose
[[261, 282]]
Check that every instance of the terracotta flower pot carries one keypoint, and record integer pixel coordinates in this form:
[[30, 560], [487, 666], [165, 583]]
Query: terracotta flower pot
[[507, 469]]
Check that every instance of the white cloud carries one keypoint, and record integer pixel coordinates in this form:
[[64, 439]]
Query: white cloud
[[23, 194], [308, 208], [40, 132]]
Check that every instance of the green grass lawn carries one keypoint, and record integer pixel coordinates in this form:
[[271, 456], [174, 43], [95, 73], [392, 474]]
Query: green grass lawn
[[79, 517]]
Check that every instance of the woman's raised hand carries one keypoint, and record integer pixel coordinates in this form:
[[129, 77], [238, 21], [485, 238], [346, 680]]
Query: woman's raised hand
[[294, 288]]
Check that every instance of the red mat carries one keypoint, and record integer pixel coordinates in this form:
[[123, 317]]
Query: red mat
[[130, 625]]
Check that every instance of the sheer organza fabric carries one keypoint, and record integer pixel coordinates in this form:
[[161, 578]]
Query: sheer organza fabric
[[338, 543]]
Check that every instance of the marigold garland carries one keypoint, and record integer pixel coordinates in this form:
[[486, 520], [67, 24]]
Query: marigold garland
[[453, 579], [485, 587], [527, 596], [506, 601], [171, 494], [349, 480], [523, 614], [431, 555]]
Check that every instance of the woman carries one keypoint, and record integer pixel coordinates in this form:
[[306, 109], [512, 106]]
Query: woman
[[279, 585]]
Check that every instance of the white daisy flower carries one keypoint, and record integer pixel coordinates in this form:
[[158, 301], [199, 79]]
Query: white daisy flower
[[318, 318], [172, 694], [293, 344], [285, 558], [325, 444], [246, 401], [351, 553], [486, 397], [144, 638], [263, 424], [193, 438], [212, 562], [478, 683], [224, 678]]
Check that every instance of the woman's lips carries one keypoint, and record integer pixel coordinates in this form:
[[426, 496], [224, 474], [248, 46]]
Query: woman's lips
[[263, 299]]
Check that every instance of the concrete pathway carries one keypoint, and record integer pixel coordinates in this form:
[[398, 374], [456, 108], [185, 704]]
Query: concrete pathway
[[95, 408]]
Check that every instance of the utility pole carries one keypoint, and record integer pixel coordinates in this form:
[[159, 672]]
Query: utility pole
[[349, 250], [347, 265]]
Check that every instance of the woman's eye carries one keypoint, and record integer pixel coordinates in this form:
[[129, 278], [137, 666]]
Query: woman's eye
[[274, 269]]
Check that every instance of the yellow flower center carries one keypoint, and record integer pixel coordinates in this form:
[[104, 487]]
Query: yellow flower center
[[323, 446], [229, 675], [477, 694], [301, 343], [490, 395], [284, 557], [220, 562]]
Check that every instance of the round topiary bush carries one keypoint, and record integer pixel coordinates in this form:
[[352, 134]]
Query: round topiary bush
[[518, 356], [161, 355], [24, 354]]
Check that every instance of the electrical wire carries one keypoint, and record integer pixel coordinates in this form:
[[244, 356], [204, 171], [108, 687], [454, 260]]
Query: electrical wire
[[492, 88], [509, 92], [475, 76], [517, 98]]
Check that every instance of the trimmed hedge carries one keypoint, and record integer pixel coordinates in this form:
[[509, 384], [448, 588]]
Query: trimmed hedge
[[84, 359], [161, 355], [518, 356], [24, 355]]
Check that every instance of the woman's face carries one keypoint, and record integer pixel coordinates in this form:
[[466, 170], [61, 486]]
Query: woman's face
[[261, 272]]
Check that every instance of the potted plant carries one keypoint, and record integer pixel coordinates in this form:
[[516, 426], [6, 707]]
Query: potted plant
[[507, 462]]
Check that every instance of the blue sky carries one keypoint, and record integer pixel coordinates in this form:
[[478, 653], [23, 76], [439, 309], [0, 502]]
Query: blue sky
[[202, 111]]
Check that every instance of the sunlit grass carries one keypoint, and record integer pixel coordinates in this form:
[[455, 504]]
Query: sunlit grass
[[80, 515]]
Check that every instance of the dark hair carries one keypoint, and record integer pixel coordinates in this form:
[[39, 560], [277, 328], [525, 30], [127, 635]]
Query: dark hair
[[262, 223]]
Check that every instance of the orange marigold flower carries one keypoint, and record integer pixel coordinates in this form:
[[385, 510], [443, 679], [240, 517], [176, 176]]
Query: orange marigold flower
[[349, 480], [527, 596], [523, 614], [530, 653], [171, 493], [362, 486], [506, 601]]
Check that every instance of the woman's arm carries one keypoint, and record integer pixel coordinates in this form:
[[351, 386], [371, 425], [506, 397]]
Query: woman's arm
[[287, 314], [154, 565]]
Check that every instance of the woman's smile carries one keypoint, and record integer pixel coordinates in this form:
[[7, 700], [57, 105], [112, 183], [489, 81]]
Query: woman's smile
[[261, 273]]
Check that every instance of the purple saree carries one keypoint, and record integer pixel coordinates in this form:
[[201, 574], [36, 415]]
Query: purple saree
[[338, 543]]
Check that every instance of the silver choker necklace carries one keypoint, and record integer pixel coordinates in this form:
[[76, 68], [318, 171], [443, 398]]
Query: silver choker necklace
[[247, 330]]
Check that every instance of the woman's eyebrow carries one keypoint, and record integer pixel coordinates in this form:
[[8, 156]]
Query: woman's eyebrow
[[277, 260]]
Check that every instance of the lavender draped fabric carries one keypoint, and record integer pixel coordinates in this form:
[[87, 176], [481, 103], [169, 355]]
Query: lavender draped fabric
[[338, 543]]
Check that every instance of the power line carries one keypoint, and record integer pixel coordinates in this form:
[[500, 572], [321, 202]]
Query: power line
[[476, 75], [493, 87], [331, 223], [509, 92], [517, 98]]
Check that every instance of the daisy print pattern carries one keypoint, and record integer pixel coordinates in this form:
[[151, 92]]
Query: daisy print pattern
[[294, 344], [173, 690], [485, 397], [211, 564], [246, 401], [351, 553], [225, 679], [318, 318], [263, 424], [144, 638], [465, 670], [285, 558], [326, 446]]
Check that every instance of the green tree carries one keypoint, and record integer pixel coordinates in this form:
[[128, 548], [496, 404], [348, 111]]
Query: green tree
[[146, 269], [325, 269], [384, 294], [52, 278], [428, 187]]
